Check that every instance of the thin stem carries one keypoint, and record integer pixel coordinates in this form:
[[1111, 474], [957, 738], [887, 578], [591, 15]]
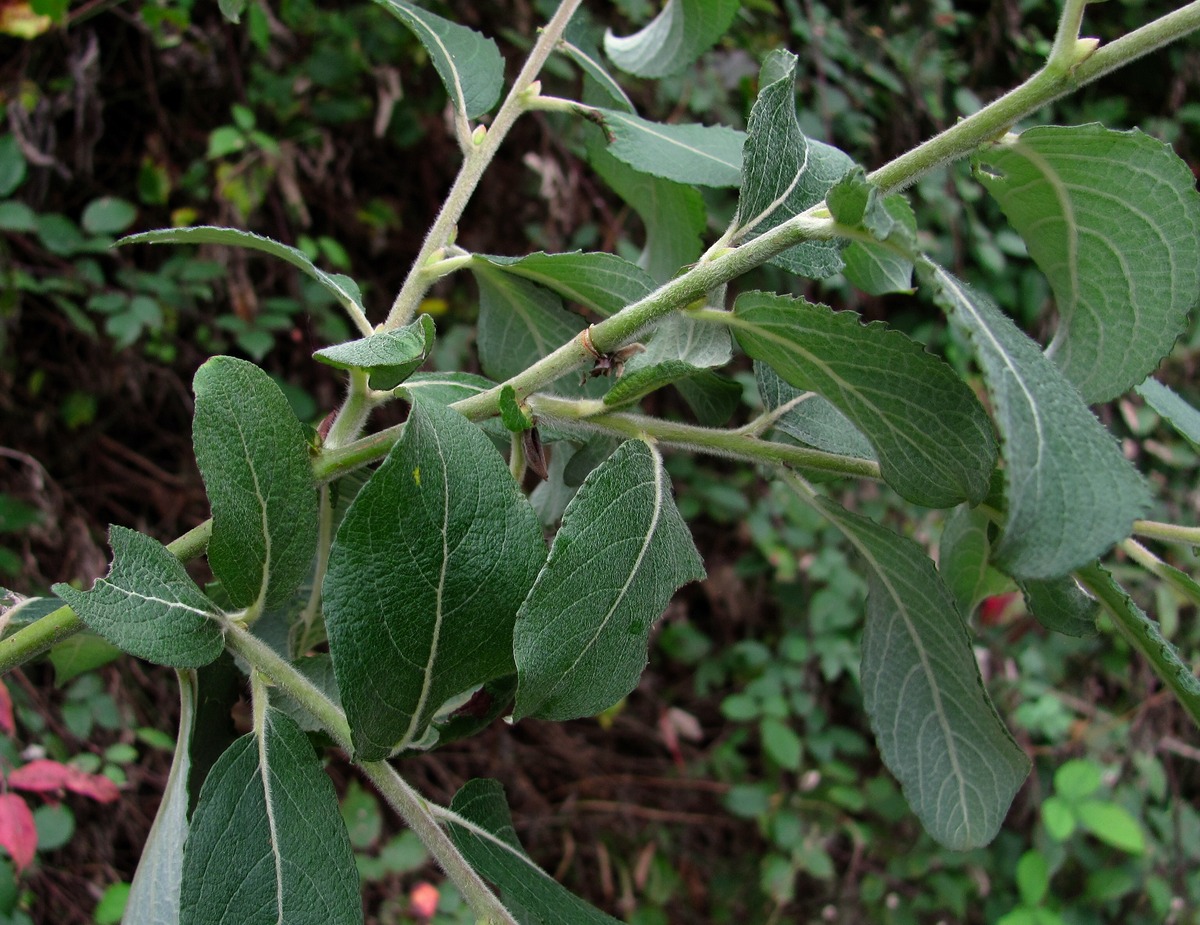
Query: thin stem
[[767, 419], [1063, 51], [308, 616], [352, 416], [1177, 579], [1167, 533], [516, 458]]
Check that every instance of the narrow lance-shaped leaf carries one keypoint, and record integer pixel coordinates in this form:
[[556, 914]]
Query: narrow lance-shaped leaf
[[468, 63], [932, 718], [267, 842], [1113, 220], [485, 836], [931, 436], [148, 606], [389, 356], [622, 550], [254, 456], [676, 37], [605, 283], [1173, 409], [1070, 494], [580, 48], [425, 577]]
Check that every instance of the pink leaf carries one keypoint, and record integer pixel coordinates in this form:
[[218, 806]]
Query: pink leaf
[[7, 724], [18, 835], [45, 776]]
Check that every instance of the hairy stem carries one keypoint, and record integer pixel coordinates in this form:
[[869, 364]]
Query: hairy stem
[[1167, 533]]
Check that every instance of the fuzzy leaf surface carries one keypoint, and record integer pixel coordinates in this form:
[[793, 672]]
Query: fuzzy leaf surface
[[447, 388], [254, 456], [622, 550], [267, 842], [1172, 408], [875, 268], [680, 337], [490, 845], [676, 37], [148, 606], [634, 386], [1070, 493], [931, 436], [1113, 220], [389, 356], [468, 63], [699, 155], [426, 573], [812, 420], [935, 725], [605, 283]]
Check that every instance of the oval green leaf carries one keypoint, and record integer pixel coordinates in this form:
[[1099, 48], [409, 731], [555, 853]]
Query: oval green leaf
[[676, 37]]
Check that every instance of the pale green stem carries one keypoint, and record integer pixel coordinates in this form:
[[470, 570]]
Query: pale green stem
[[1167, 533], [516, 458], [352, 416], [1062, 53], [475, 162], [447, 265], [767, 419], [1177, 579], [308, 616]]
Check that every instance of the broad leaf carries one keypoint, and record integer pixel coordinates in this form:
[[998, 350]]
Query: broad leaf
[[1113, 220], [699, 155], [468, 63], [425, 577], [605, 283], [784, 172], [934, 722], [1061, 605], [267, 842], [486, 838], [963, 553], [811, 419], [389, 356], [254, 456], [931, 436], [446, 388], [875, 268], [148, 606], [676, 37], [1069, 491], [622, 550], [1173, 409], [342, 287], [154, 895]]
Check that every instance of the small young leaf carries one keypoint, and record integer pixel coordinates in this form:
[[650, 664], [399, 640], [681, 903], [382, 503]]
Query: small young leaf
[[468, 63], [1033, 878], [812, 420], [515, 418], [934, 722], [389, 356], [605, 283], [874, 267], [1061, 605], [699, 155], [622, 550], [1113, 220], [289, 859], [1070, 492], [963, 559], [681, 337], [932, 437], [425, 577], [486, 839], [676, 37], [1173, 409], [254, 456], [148, 606]]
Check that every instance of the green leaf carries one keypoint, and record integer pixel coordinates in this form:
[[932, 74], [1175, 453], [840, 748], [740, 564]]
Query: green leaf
[[80, 654], [389, 356], [1113, 220], [1058, 818], [515, 418], [1061, 605], [468, 63], [579, 47], [154, 895], [1070, 493], [483, 833], [108, 215], [712, 398], [963, 559], [784, 172], [621, 552], [341, 287], [781, 743], [148, 606], [446, 388], [1172, 409], [1077, 779], [812, 420], [634, 386], [676, 37], [16, 216], [876, 268], [681, 337], [267, 843], [605, 283], [699, 155], [425, 577], [1033, 878], [519, 323], [931, 436], [232, 9], [1113, 824], [934, 722], [13, 167], [254, 456]]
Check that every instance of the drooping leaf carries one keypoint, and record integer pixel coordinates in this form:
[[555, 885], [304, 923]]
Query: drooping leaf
[[1070, 493], [42, 775], [389, 356], [468, 63], [874, 267], [605, 283], [932, 718], [80, 654], [784, 172], [154, 895], [1061, 605], [343, 288], [699, 155], [267, 843], [18, 834], [1113, 220], [963, 559], [676, 37], [622, 550], [489, 843], [1173, 409], [812, 420], [581, 49], [254, 456], [425, 577], [148, 606], [931, 436]]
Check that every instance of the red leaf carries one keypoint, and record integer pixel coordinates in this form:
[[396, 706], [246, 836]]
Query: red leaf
[[44, 776], [7, 725], [18, 835]]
